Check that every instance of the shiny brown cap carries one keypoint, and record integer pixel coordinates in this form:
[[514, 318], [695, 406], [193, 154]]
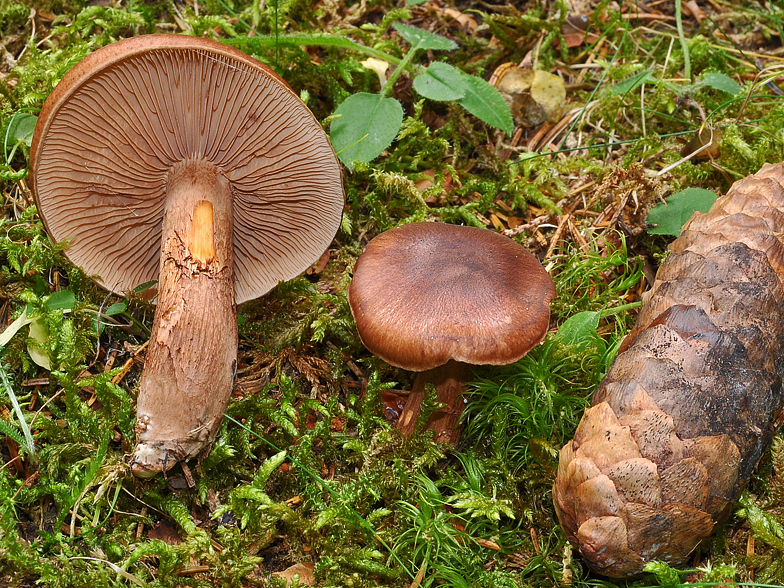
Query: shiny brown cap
[[425, 293], [116, 124]]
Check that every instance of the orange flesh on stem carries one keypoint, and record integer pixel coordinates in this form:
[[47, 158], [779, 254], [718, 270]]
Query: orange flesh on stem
[[202, 233]]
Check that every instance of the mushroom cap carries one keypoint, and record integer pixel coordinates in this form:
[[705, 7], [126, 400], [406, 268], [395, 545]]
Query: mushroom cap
[[425, 293], [114, 126]]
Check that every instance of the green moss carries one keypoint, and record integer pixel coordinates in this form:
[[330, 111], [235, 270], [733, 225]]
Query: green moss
[[306, 468]]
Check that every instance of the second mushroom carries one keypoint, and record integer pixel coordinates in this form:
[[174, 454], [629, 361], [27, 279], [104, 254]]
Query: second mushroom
[[438, 299]]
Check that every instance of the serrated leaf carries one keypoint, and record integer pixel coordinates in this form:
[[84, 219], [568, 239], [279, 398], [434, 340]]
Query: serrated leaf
[[486, 103], [419, 39], [665, 575], [7, 429], [631, 83], [61, 300], [367, 125], [764, 524], [720, 82], [441, 82], [669, 216]]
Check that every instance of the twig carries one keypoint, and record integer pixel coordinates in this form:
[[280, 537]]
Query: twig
[[558, 233], [520, 229], [128, 364]]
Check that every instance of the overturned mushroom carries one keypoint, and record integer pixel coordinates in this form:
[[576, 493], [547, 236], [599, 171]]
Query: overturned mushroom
[[437, 299], [183, 160]]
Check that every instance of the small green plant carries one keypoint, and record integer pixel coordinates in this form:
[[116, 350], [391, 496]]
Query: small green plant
[[22, 434], [365, 124], [528, 410], [368, 123], [18, 133], [668, 217]]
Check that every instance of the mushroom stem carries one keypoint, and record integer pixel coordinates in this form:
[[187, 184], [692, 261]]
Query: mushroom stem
[[191, 360], [448, 380]]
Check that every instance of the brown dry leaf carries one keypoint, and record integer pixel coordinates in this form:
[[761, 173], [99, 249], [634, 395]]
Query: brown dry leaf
[[576, 31], [704, 144], [693, 9], [467, 22], [423, 184], [166, 532], [534, 96], [303, 569], [319, 266]]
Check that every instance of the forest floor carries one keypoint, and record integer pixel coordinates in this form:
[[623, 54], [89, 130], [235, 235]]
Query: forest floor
[[619, 105]]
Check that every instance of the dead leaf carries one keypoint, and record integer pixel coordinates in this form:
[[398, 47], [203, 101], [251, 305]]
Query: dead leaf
[[467, 22], [489, 544], [319, 266], [423, 184], [694, 10], [166, 532], [534, 96], [303, 569], [576, 31], [704, 144]]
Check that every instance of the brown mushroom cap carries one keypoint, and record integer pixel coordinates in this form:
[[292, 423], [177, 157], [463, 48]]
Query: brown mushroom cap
[[123, 117], [425, 293]]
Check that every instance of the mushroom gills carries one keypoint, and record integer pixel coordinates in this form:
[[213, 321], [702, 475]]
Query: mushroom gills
[[191, 361]]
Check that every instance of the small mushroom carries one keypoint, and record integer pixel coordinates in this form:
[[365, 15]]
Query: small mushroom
[[183, 160], [438, 299]]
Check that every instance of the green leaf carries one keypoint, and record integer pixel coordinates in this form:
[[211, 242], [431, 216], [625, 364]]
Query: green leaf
[[720, 82], [668, 217], [367, 125], [19, 132], [579, 330], [61, 300], [7, 429], [764, 524], [631, 83], [116, 308], [419, 39], [37, 348], [486, 103], [145, 286], [441, 82]]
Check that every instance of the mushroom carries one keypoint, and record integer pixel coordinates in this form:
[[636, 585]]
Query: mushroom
[[183, 160], [438, 299]]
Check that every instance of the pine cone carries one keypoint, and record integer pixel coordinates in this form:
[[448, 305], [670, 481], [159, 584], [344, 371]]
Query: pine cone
[[691, 402]]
